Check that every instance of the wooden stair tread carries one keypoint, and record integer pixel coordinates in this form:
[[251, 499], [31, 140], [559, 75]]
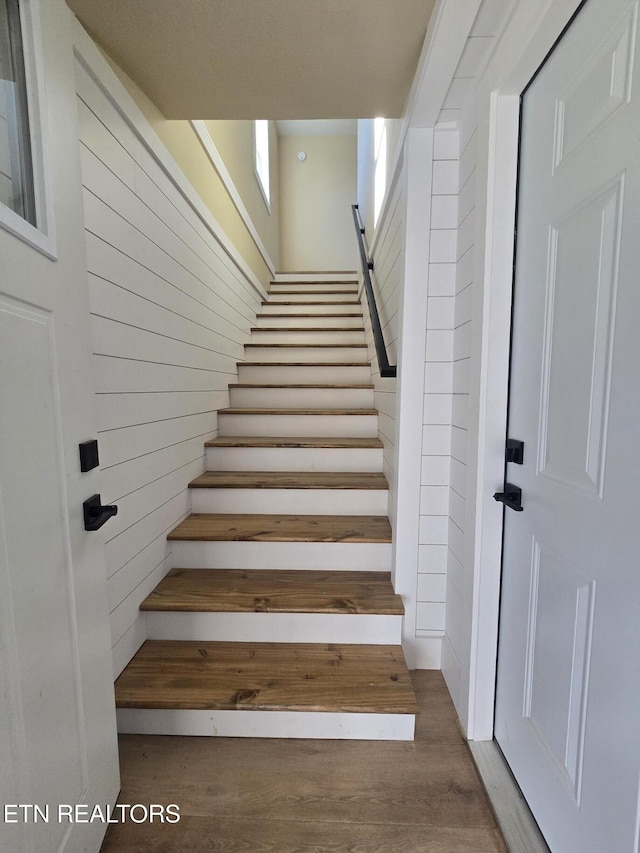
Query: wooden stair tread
[[297, 316], [237, 411], [288, 480], [300, 385], [274, 591], [296, 441], [268, 677], [236, 527], [310, 329], [326, 291], [308, 346], [318, 281], [319, 302], [328, 364]]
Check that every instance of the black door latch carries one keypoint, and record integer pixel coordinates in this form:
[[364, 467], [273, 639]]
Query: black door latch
[[95, 514], [511, 497]]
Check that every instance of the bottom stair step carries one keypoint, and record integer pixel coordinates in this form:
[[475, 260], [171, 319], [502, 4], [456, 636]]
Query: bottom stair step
[[291, 690]]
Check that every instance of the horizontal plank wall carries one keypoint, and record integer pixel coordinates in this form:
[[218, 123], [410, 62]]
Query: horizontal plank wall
[[436, 498], [388, 281], [171, 311], [459, 617]]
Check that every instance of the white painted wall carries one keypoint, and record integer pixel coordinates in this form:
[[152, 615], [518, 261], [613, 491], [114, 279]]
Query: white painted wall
[[416, 237], [171, 310], [438, 499], [316, 228]]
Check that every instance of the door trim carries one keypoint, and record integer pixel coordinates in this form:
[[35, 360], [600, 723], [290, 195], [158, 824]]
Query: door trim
[[500, 93]]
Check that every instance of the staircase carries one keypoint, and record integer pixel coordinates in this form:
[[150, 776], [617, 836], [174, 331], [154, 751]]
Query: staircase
[[280, 620]]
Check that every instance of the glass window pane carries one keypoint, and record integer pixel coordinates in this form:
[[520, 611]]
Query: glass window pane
[[262, 155], [16, 177]]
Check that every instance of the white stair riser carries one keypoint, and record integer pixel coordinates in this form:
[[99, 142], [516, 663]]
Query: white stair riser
[[337, 296], [277, 724], [280, 308], [308, 336], [305, 287], [302, 398], [323, 355], [310, 322], [303, 374], [312, 426], [339, 556], [342, 459], [350, 276], [372, 629], [291, 501]]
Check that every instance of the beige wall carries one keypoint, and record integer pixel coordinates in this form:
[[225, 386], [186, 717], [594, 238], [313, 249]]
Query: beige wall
[[316, 227], [234, 141], [184, 146]]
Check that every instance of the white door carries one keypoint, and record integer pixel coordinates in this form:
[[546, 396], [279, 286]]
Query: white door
[[568, 698], [57, 717]]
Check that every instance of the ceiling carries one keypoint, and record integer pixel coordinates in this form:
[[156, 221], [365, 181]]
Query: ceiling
[[275, 59]]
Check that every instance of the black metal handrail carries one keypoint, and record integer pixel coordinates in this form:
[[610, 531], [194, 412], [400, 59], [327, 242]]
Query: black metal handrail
[[386, 369]]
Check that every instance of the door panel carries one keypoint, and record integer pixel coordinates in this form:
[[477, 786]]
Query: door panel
[[568, 687], [57, 717]]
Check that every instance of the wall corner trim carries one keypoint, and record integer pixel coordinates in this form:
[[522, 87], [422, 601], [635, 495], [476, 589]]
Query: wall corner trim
[[98, 69], [201, 131]]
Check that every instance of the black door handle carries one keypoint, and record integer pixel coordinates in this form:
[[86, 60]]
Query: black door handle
[[511, 497], [95, 514]]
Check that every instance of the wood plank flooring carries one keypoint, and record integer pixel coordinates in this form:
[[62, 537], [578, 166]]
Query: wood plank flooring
[[331, 678], [205, 527], [274, 591], [288, 480], [288, 796]]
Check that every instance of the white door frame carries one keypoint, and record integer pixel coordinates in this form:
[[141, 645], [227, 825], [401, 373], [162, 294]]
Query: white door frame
[[529, 36]]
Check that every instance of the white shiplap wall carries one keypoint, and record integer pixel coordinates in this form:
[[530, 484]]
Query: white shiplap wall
[[170, 314], [388, 280], [436, 495], [458, 623]]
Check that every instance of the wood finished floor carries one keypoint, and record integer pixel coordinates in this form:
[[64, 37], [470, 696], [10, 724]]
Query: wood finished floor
[[301, 796]]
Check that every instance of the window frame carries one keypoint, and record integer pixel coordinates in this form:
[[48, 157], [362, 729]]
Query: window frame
[[40, 236], [258, 159]]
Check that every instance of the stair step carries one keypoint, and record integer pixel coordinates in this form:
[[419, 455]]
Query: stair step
[[301, 286], [309, 353], [305, 373], [310, 309], [314, 291], [297, 453], [262, 527], [306, 336], [292, 422], [293, 441], [282, 492], [277, 605], [274, 591], [168, 682], [296, 396], [322, 322], [288, 480], [299, 299]]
